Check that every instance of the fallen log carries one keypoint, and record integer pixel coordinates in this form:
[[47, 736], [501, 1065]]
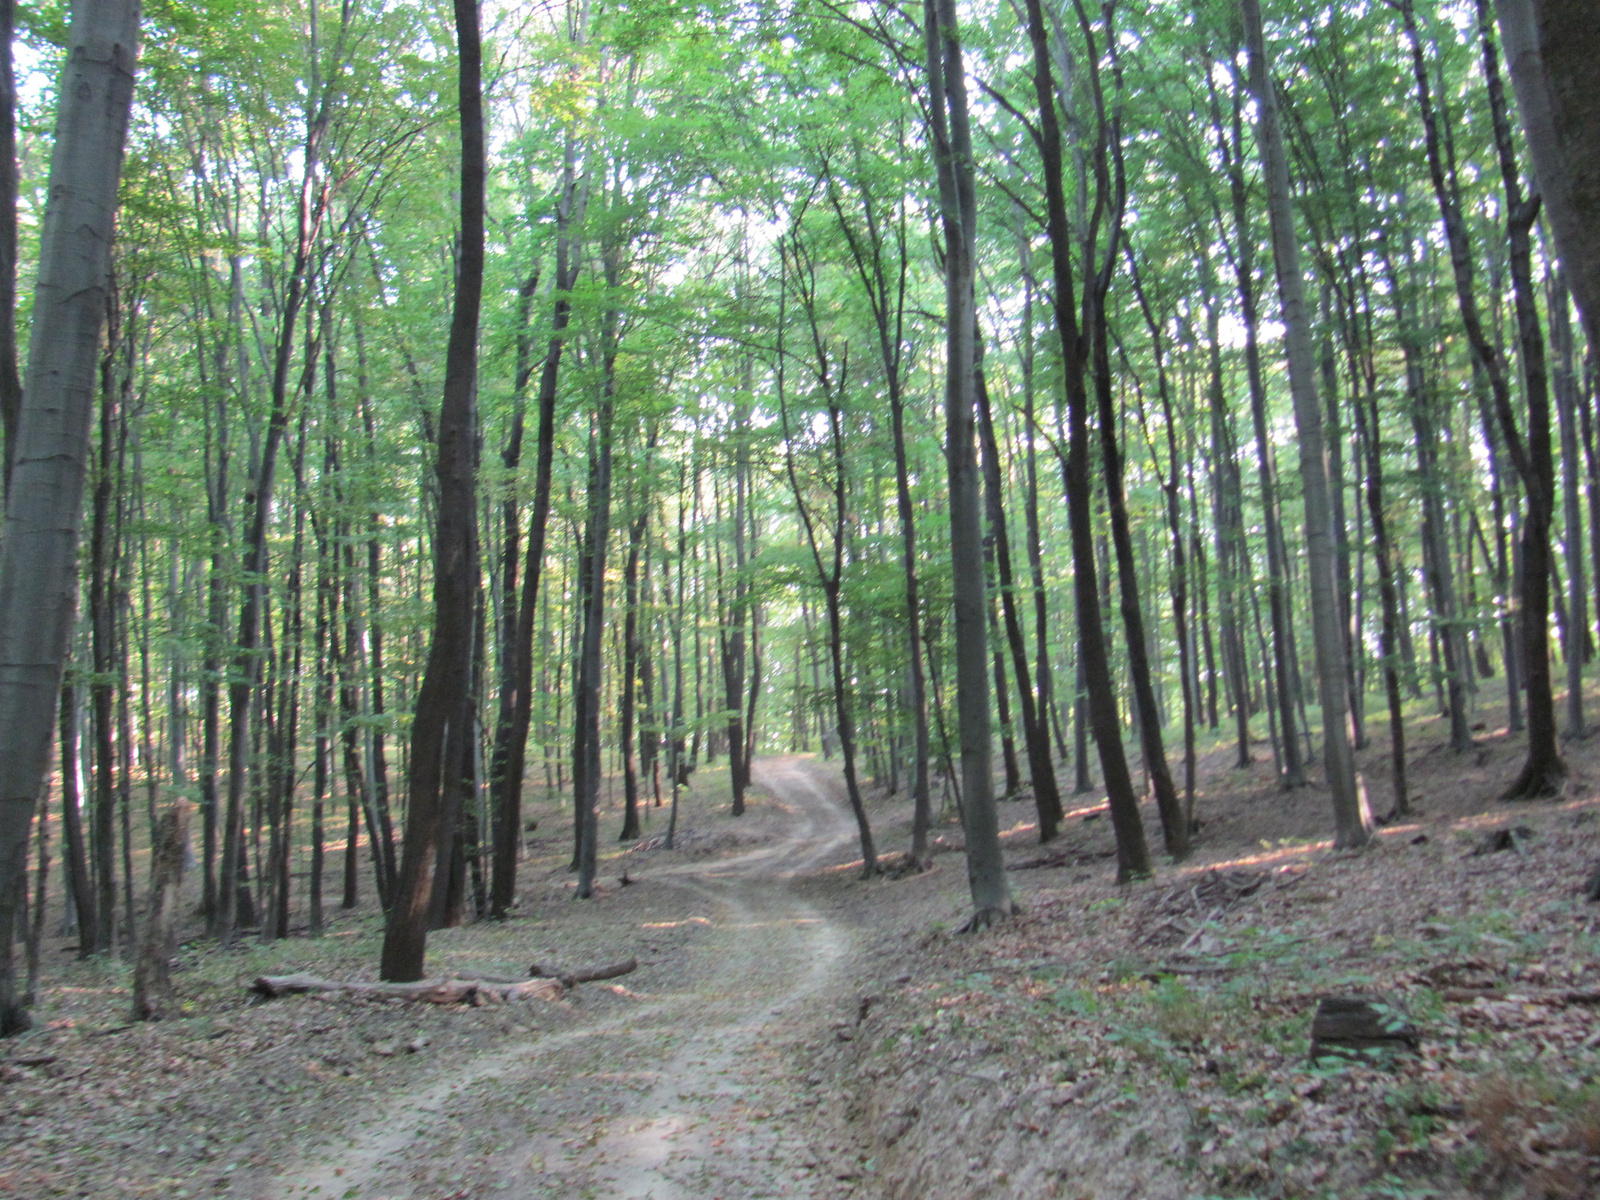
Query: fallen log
[[477, 992], [592, 975]]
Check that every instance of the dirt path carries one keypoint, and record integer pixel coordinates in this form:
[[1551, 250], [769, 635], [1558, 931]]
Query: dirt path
[[679, 1095]]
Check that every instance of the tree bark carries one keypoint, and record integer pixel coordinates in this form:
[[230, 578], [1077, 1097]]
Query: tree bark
[[1293, 773], [1133, 860], [38, 555], [10, 379], [153, 998], [1035, 730], [435, 729], [952, 144], [1352, 820], [1553, 50]]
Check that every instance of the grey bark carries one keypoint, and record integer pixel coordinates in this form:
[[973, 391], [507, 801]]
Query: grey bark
[[1352, 820], [952, 137], [38, 557], [1553, 50]]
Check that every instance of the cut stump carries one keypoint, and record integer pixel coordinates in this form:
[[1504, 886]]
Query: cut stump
[[1353, 1026]]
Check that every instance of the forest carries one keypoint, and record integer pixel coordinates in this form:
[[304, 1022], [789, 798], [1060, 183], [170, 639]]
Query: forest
[[431, 426]]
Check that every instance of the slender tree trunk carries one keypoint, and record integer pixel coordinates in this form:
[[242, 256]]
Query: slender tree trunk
[[1437, 566], [1367, 430], [80, 881], [1544, 771], [1035, 731], [1278, 599], [516, 706], [732, 636], [1352, 820], [1170, 482], [446, 682], [952, 144], [630, 673], [586, 690], [1133, 859], [1565, 387]]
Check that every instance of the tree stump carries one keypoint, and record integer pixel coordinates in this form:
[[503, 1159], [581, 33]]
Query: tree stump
[[1354, 1027], [152, 976]]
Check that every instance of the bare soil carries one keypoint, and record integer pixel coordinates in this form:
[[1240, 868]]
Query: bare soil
[[794, 1030]]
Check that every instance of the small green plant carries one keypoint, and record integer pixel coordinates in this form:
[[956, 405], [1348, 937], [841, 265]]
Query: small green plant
[[1077, 1001]]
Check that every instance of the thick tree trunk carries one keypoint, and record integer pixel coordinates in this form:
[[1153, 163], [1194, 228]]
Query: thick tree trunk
[[10, 380], [38, 554], [1553, 50]]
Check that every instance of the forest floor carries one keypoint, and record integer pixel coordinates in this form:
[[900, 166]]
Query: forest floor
[[793, 1030]]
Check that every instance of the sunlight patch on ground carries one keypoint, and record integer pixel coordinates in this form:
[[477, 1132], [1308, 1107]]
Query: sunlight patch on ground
[[1276, 854]]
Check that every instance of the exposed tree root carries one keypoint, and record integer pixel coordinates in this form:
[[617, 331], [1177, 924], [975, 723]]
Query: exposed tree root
[[1538, 781], [988, 918]]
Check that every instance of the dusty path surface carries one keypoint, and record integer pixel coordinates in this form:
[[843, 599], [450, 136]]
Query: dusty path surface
[[679, 1091]]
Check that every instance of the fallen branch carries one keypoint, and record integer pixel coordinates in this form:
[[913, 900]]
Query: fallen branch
[[593, 974], [1555, 998]]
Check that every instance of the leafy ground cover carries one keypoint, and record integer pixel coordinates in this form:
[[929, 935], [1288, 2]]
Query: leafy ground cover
[[1154, 1040]]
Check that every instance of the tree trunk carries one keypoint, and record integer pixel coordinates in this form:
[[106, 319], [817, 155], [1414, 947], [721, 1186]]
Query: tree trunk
[[447, 679], [1133, 859], [1035, 730], [10, 380], [153, 997], [586, 684], [952, 145], [630, 673], [1292, 768], [1352, 820], [1565, 388], [38, 555], [80, 881], [1553, 50], [1544, 772]]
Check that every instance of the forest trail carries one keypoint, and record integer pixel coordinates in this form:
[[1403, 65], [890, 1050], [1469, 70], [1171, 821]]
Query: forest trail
[[680, 1096]]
